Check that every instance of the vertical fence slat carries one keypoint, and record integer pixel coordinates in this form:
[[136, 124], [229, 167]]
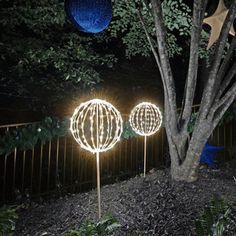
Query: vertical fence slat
[[136, 155], [120, 158], [125, 154], [32, 172], [57, 159], [72, 161], [131, 156], [81, 170], [64, 160], [23, 172], [40, 168], [162, 145], [49, 164], [14, 170], [4, 177]]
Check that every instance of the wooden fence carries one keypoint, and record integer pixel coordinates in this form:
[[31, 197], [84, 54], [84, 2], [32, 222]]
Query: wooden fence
[[60, 165]]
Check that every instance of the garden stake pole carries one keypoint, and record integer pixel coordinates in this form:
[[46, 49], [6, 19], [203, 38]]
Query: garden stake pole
[[145, 146], [98, 186], [98, 168], [145, 155], [92, 113], [145, 119]]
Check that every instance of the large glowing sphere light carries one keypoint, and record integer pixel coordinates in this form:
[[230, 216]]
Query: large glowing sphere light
[[97, 126]]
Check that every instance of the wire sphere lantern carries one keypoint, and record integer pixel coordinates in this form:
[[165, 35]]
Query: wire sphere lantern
[[145, 119], [90, 16], [96, 125]]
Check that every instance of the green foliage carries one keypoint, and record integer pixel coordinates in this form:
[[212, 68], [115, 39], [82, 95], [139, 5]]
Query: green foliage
[[192, 122], [8, 219], [39, 47], [27, 137], [214, 219], [203, 53], [126, 25], [128, 131], [101, 228], [177, 16], [229, 115], [177, 19]]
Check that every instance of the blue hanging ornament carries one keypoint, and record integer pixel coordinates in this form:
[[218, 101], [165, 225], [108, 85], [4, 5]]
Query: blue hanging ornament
[[90, 16]]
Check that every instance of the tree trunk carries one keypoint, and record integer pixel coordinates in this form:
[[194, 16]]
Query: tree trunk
[[185, 168], [218, 93]]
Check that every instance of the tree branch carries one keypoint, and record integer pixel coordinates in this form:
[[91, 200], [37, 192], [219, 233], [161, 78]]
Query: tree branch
[[155, 53], [231, 92], [217, 91], [225, 63], [198, 14], [225, 104], [164, 61], [208, 91], [226, 81], [149, 40]]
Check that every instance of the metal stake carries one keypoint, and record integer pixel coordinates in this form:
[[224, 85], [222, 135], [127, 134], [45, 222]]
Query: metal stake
[[98, 186], [98, 169], [145, 155]]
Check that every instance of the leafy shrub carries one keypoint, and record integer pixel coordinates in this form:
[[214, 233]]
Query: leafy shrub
[[101, 228], [214, 220], [8, 218], [27, 137], [128, 131]]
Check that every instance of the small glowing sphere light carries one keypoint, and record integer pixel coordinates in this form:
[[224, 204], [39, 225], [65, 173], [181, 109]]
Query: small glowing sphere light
[[97, 126], [145, 119]]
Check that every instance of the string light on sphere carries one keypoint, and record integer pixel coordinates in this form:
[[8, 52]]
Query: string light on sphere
[[96, 126], [145, 119]]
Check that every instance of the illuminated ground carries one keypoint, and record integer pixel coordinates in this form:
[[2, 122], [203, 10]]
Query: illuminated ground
[[154, 204]]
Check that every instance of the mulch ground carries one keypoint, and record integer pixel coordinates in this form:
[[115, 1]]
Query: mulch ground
[[154, 204]]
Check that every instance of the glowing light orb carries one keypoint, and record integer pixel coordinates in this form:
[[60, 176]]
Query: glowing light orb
[[96, 125], [145, 119], [90, 16]]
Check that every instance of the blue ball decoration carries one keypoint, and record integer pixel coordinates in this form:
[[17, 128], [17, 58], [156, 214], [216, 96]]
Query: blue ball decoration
[[90, 16]]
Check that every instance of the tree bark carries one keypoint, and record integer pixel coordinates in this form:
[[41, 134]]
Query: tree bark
[[218, 94], [187, 169]]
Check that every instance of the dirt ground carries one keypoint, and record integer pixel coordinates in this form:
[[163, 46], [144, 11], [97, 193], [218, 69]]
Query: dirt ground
[[154, 204]]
